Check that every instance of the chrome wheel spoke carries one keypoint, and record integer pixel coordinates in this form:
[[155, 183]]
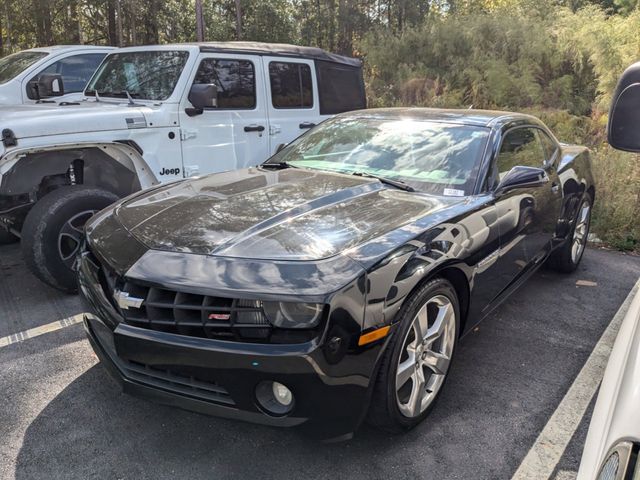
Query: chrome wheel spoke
[[438, 363], [406, 370], [421, 323], [417, 394], [437, 329]]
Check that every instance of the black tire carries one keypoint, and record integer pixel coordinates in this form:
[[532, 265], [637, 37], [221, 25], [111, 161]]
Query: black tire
[[384, 411], [53, 225], [563, 260], [6, 237]]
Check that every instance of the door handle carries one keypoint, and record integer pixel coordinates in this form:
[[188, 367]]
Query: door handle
[[254, 128], [305, 125], [555, 188]]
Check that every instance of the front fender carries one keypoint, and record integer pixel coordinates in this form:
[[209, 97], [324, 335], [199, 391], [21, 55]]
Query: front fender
[[117, 167]]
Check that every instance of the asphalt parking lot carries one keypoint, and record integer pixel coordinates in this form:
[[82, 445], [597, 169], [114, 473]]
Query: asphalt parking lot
[[61, 416]]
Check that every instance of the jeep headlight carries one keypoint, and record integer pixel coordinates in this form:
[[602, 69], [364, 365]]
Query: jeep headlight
[[617, 462], [293, 314]]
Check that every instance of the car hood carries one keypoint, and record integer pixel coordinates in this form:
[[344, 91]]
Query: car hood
[[45, 119], [290, 214]]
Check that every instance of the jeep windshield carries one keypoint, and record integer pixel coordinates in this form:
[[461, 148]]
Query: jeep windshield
[[428, 156], [150, 75], [13, 65]]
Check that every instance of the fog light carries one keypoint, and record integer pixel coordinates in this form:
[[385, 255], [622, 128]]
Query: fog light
[[274, 398], [283, 394]]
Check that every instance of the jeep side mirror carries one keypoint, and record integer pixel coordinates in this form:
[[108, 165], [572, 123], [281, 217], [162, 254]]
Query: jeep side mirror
[[522, 177], [202, 96], [623, 131], [47, 85]]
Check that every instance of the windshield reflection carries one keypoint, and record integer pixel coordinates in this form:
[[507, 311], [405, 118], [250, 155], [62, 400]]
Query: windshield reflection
[[436, 157]]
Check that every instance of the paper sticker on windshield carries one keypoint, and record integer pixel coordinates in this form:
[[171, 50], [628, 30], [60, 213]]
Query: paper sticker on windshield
[[453, 192]]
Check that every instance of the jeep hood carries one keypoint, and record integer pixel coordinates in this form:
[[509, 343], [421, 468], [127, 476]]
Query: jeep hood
[[45, 119], [290, 214]]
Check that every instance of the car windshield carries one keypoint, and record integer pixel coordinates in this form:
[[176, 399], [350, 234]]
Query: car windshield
[[143, 75], [15, 64], [434, 157]]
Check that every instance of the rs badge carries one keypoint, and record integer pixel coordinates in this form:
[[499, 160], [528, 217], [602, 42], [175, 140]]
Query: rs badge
[[125, 301]]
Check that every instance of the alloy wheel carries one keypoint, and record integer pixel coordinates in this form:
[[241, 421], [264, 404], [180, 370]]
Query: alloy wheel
[[70, 236], [581, 232], [425, 356]]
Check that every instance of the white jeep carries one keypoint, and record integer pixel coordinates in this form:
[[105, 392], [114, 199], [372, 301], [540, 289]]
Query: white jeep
[[151, 115], [42, 74]]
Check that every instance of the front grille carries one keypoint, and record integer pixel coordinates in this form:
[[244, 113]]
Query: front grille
[[178, 381], [195, 315]]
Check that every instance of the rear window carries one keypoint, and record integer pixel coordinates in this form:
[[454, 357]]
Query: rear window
[[341, 88], [13, 65], [291, 85]]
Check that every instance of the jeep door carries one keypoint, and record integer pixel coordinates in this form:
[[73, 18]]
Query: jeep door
[[233, 134], [293, 104]]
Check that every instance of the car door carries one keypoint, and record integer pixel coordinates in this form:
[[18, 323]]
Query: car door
[[233, 134], [293, 105], [76, 70], [526, 216]]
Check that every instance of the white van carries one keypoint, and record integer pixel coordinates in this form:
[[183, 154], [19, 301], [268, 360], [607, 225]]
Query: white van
[[151, 115], [75, 64]]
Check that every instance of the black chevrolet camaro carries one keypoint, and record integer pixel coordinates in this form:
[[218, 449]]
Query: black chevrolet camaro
[[332, 283]]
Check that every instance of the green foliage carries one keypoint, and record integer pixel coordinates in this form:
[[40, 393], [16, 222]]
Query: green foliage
[[501, 60]]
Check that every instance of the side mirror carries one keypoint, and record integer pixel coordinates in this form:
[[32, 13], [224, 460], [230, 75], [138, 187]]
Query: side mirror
[[522, 177], [202, 96], [623, 131], [47, 85]]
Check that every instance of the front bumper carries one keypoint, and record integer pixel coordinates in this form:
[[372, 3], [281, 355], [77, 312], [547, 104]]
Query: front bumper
[[219, 377]]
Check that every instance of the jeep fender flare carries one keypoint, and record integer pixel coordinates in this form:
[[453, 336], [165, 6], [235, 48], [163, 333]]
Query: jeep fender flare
[[118, 167]]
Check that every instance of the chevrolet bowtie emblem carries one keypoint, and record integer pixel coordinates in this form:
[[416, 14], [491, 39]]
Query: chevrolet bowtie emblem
[[125, 301]]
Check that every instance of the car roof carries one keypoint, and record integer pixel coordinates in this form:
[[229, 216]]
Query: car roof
[[259, 48], [480, 118], [60, 48]]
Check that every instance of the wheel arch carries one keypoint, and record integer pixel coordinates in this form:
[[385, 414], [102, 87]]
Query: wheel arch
[[456, 276], [116, 167]]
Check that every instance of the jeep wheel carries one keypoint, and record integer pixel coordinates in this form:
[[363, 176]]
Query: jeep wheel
[[6, 237], [53, 229]]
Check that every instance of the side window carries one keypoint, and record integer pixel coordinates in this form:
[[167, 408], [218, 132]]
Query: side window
[[235, 80], [341, 88], [550, 147], [290, 85], [75, 70], [522, 147]]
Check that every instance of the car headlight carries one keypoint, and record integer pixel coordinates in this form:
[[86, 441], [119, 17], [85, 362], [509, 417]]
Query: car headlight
[[293, 314], [617, 462]]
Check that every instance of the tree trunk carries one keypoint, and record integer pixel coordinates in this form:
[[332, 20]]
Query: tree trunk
[[238, 20], [111, 22], [119, 33], [74, 23], [199, 22]]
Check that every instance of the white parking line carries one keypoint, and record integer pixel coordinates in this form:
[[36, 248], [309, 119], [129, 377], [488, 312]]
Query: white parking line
[[548, 448], [41, 330]]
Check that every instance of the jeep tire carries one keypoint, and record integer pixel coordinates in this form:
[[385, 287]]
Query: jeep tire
[[53, 230]]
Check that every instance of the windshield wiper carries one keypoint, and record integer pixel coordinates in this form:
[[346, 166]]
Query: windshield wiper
[[387, 181], [278, 165]]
